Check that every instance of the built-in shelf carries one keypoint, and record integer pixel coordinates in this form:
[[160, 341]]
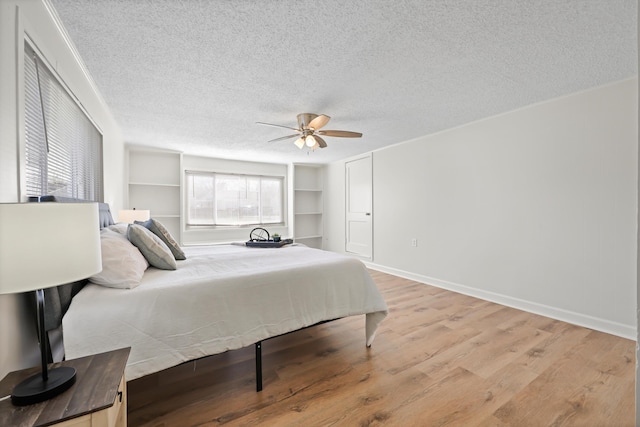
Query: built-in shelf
[[308, 205], [154, 184]]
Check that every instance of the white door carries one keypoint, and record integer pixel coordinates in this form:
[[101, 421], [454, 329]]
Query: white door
[[359, 191]]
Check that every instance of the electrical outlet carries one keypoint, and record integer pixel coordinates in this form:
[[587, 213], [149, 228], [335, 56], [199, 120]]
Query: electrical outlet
[[414, 242]]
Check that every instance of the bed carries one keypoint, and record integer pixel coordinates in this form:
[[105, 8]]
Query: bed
[[219, 298]]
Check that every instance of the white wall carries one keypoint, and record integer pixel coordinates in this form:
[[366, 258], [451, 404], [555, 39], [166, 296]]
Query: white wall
[[18, 347], [535, 208]]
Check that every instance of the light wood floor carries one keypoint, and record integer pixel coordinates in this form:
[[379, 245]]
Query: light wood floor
[[439, 358]]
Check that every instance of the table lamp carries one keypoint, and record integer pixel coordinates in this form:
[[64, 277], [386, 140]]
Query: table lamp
[[43, 245], [131, 215]]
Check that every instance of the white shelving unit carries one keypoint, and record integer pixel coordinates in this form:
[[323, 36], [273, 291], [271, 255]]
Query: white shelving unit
[[154, 183], [308, 205]]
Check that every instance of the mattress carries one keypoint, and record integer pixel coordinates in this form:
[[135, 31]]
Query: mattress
[[220, 298]]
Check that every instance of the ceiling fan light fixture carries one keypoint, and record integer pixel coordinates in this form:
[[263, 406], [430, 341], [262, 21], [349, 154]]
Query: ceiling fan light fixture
[[310, 141], [309, 133]]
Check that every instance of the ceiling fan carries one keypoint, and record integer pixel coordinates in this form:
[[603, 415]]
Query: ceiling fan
[[309, 133]]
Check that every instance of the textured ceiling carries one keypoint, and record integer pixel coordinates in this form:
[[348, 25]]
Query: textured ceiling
[[195, 76]]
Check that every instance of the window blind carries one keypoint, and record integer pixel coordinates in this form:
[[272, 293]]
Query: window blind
[[216, 199], [63, 148]]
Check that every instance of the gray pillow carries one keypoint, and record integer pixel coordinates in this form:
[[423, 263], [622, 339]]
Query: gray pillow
[[154, 250], [159, 230]]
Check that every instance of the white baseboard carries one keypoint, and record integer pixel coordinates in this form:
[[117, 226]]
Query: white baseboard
[[602, 325]]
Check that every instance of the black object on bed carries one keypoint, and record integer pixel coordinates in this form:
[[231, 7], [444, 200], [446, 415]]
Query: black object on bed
[[269, 243]]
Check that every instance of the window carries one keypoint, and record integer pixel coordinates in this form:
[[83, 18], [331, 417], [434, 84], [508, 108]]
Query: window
[[63, 148], [216, 199]]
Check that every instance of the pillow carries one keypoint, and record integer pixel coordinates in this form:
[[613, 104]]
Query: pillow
[[159, 230], [153, 249], [122, 263], [120, 227]]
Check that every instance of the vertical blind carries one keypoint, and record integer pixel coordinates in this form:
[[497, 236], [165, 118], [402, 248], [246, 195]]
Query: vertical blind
[[63, 147]]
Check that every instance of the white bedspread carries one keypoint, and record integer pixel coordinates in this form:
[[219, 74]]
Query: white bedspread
[[220, 298]]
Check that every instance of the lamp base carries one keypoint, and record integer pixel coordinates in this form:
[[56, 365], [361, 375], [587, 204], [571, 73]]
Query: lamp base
[[34, 389]]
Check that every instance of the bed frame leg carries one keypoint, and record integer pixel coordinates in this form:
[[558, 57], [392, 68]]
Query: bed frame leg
[[259, 366]]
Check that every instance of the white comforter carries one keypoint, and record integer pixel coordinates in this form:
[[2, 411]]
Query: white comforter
[[220, 298]]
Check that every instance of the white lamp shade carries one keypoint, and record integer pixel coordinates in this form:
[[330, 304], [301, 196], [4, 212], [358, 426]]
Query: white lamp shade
[[47, 244], [131, 215]]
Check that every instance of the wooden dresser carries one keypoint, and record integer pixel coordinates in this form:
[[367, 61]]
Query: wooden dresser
[[98, 397]]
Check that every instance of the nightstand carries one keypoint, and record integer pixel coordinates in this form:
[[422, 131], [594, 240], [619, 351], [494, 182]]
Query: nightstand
[[98, 397]]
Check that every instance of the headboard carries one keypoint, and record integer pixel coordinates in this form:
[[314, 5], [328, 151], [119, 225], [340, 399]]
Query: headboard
[[58, 299], [104, 212]]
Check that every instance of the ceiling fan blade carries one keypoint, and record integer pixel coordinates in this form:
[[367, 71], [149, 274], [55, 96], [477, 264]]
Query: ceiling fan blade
[[319, 121], [279, 126], [321, 142], [299, 143], [284, 137], [340, 133]]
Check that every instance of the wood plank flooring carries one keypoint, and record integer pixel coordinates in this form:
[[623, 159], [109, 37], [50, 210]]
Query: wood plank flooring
[[439, 359]]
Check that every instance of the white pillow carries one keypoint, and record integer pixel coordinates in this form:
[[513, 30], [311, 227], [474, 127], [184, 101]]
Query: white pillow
[[122, 263], [120, 227]]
